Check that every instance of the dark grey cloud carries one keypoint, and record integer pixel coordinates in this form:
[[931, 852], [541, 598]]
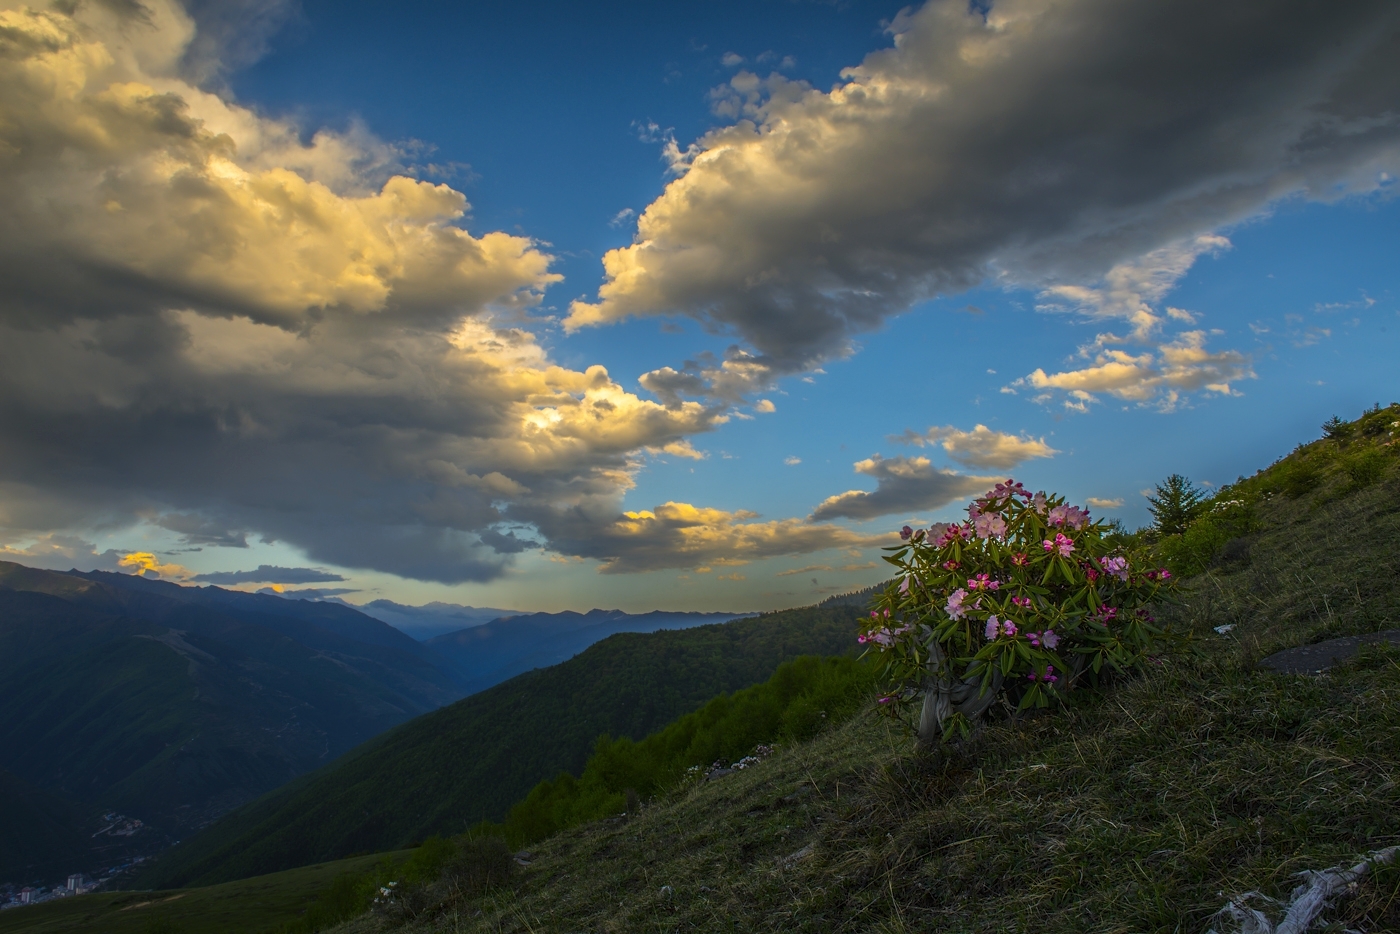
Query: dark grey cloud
[[269, 574], [905, 485], [1030, 142]]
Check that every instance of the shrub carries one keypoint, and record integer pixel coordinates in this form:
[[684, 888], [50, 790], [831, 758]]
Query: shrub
[[1364, 467], [1297, 476], [1019, 601], [1225, 518]]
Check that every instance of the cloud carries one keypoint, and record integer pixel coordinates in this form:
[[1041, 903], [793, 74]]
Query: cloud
[[981, 447], [60, 552], [268, 574], [195, 529], [1099, 502], [1130, 290], [220, 325], [792, 461], [905, 485], [731, 60], [1034, 144], [142, 563], [807, 570], [680, 535], [1159, 377], [308, 593]]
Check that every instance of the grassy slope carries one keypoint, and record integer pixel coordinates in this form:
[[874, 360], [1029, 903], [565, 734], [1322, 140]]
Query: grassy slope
[[250, 906], [449, 769], [1132, 810]]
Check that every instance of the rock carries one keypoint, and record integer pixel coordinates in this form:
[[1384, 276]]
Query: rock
[[1315, 658]]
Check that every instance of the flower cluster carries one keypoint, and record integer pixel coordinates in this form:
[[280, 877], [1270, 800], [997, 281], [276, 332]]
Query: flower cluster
[[1024, 598]]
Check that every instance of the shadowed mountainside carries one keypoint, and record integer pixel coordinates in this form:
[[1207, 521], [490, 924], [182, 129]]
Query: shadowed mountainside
[[172, 705], [447, 770]]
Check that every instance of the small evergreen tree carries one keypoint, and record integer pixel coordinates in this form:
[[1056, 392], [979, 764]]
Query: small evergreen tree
[[1177, 502], [1336, 429]]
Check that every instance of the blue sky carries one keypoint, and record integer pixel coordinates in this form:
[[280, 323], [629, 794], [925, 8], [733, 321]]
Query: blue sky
[[285, 346]]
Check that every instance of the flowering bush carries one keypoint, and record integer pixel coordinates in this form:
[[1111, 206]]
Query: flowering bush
[[1020, 601]]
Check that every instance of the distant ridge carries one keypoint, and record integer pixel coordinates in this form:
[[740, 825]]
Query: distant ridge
[[430, 619], [488, 654]]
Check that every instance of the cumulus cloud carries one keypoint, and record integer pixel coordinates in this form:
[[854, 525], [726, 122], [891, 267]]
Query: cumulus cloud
[[981, 447], [142, 563], [1035, 144], [904, 485], [1130, 291], [1098, 502], [215, 327], [680, 535], [270, 574], [1158, 377]]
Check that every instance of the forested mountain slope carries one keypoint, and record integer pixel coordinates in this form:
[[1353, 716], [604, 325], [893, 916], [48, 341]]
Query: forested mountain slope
[[172, 705], [447, 770], [489, 654]]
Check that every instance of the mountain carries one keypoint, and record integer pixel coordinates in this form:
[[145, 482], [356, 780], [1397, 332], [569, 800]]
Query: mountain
[[171, 705], [431, 619], [489, 654], [447, 770]]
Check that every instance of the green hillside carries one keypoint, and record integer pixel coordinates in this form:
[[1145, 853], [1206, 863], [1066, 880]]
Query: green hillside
[[445, 771], [1140, 807]]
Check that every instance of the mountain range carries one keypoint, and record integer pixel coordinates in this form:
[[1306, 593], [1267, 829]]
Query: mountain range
[[443, 772], [169, 705]]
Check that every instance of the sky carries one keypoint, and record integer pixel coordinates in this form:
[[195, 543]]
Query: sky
[[658, 306]]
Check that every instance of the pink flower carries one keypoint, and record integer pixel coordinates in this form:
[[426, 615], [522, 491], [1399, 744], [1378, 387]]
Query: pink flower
[[1072, 516], [951, 565], [990, 525], [905, 532], [954, 607], [861, 639], [996, 627], [904, 586], [1038, 503], [1048, 677], [1063, 544], [1020, 559], [1021, 601], [947, 534], [1117, 566], [982, 582]]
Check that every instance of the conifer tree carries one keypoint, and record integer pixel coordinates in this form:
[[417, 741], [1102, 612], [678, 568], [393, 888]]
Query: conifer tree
[[1177, 502]]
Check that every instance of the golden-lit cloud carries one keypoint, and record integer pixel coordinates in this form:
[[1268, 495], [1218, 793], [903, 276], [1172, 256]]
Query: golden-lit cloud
[[1099, 502], [1157, 376], [219, 329], [981, 447], [142, 563]]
